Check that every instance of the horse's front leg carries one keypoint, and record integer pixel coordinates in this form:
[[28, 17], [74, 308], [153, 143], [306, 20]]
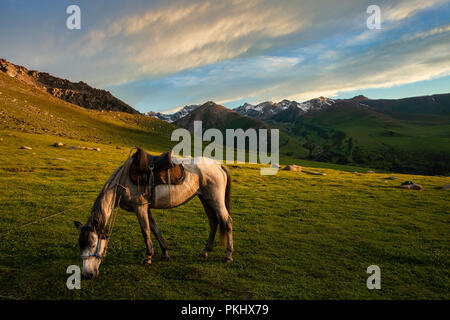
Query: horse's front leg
[[159, 237], [141, 213]]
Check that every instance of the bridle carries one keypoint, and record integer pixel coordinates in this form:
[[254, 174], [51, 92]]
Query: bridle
[[97, 254]]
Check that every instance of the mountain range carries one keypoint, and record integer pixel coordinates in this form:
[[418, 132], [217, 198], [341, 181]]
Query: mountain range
[[405, 135]]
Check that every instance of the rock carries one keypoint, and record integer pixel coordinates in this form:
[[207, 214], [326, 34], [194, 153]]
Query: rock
[[58, 159], [26, 148], [275, 165], [293, 167], [315, 173], [58, 144], [411, 186], [370, 171], [392, 178], [84, 148]]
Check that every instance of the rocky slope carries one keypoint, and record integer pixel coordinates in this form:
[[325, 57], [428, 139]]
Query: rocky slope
[[79, 93]]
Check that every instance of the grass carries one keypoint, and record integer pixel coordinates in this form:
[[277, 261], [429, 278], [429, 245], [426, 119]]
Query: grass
[[297, 236]]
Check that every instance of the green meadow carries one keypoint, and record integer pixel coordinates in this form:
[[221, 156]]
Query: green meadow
[[296, 236]]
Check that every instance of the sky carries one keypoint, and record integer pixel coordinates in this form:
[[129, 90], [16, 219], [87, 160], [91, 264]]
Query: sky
[[162, 55]]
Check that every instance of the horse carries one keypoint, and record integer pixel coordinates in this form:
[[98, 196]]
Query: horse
[[205, 178]]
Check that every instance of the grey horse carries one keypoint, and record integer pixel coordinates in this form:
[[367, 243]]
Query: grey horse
[[205, 178]]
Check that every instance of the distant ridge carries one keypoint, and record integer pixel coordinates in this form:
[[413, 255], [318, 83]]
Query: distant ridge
[[432, 104], [214, 115], [289, 110], [79, 93]]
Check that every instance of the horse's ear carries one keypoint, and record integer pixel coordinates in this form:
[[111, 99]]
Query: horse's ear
[[78, 225]]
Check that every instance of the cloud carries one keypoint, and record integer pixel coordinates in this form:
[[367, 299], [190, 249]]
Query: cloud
[[422, 56], [417, 57], [407, 8], [161, 54], [175, 38]]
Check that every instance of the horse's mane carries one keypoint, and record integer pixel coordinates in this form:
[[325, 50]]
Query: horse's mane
[[98, 212]]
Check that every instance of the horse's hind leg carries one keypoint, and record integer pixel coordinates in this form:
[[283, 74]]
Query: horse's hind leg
[[157, 233], [226, 231], [213, 222], [222, 216]]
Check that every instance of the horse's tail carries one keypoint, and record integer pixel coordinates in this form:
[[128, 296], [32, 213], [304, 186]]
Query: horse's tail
[[225, 221]]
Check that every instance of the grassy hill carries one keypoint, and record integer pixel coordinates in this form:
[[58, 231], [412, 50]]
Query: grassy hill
[[349, 133], [297, 236], [433, 104], [27, 109]]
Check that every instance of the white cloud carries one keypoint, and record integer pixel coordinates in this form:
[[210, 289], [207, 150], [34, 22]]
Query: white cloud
[[396, 63], [175, 38], [407, 8], [230, 50]]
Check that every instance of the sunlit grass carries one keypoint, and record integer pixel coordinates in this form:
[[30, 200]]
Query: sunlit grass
[[297, 236]]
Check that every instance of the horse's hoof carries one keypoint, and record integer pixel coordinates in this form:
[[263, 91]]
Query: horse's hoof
[[147, 261], [203, 254], [228, 260], [165, 257]]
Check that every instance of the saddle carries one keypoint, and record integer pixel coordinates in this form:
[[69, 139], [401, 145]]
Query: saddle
[[149, 171]]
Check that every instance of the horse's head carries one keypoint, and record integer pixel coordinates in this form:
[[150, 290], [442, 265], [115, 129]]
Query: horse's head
[[93, 248]]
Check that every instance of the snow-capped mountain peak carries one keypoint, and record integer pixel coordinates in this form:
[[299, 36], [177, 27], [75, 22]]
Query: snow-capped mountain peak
[[316, 104], [269, 109], [264, 110], [174, 116]]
